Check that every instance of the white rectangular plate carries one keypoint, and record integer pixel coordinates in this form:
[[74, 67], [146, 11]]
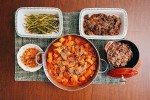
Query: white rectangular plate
[[19, 21], [108, 11]]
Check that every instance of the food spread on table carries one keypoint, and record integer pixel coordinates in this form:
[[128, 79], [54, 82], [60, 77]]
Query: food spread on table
[[72, 60]]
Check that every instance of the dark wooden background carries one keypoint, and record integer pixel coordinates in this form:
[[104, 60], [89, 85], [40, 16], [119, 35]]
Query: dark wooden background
[[136, 88]]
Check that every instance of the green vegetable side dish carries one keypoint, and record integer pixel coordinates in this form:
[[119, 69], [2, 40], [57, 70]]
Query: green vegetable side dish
[[41, 23]]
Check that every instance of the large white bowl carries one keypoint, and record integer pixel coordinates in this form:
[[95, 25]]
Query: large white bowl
[[108, 11], [19, 21], [20, 53]]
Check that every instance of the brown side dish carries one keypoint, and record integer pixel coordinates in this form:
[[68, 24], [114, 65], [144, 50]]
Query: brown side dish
[[119, 54], [101, 24], [71, 61], [28, 57]]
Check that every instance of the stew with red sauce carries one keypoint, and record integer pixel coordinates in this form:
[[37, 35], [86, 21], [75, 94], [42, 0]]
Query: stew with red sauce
[[71, 60]]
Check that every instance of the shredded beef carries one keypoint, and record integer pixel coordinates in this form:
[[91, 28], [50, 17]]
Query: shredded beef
[[101, 24]]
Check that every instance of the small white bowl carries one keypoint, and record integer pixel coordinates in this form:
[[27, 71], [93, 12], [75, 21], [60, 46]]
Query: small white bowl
[[20, 53], [19, 21], [108, 11]]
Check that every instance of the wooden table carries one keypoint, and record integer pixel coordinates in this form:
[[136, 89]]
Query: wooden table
[[136, 88]]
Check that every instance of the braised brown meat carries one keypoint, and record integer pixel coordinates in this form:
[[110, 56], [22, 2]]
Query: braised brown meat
[[119, 54], [101, 24]]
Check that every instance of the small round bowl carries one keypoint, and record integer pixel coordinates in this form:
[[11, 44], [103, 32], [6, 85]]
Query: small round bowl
[[20, 53], [131, 69]]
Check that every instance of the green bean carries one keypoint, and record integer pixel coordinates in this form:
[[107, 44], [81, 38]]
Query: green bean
[[41, 23]]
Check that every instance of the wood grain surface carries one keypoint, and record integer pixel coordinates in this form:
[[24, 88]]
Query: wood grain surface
[[136, 88]]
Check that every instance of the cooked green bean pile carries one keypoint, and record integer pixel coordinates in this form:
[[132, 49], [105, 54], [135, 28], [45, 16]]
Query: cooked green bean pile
[[41, 23]]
